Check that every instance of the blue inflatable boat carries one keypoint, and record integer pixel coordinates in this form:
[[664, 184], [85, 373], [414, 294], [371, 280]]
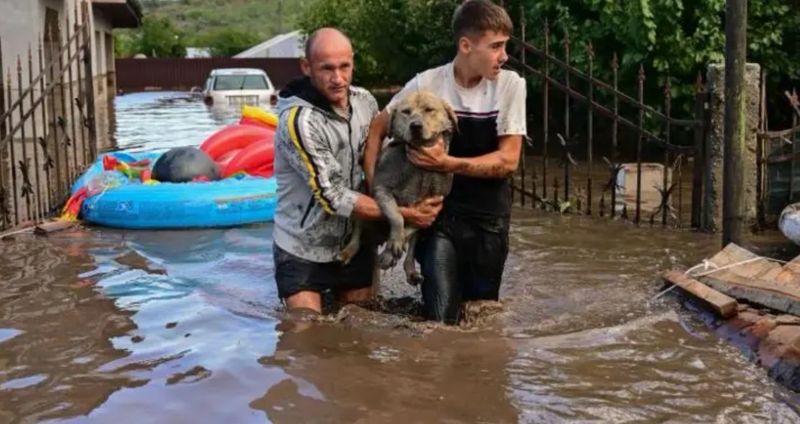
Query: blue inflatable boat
[[117, 201]]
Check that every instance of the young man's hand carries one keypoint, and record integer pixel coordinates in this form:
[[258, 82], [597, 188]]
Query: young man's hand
[[432, 158], [423, 213]]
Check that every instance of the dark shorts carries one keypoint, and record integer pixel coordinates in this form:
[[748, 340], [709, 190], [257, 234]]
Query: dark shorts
[[461, 259], [294, 274]]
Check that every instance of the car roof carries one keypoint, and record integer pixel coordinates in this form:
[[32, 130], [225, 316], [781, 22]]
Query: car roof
[[238, 71]]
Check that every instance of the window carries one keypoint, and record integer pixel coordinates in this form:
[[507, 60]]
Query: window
[[240, 82]]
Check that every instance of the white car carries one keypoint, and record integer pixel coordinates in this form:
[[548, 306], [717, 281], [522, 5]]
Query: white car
[[239, 86]]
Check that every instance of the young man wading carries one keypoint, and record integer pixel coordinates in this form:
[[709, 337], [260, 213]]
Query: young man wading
[[318, 148], [462, 256]]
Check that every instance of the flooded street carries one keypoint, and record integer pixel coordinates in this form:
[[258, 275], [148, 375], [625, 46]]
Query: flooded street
[[104, 325]]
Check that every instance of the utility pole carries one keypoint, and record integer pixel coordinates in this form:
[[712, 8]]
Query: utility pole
[[734, 134]]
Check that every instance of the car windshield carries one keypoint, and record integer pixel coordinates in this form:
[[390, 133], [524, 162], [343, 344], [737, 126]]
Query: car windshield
[[240, 82]]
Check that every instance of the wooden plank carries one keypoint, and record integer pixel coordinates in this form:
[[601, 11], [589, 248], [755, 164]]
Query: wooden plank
[[735, 254], [53, 226], [775, 295], [793, 265], [723, 305]]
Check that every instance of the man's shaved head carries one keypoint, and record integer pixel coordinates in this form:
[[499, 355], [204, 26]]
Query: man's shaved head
[[329, 64], [326, 38]]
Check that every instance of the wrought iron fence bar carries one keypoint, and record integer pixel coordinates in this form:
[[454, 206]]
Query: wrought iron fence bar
[[614, 136], [49, 86], [781, 134], [23, 168], [793, 162], [78, 100], [590, 135], [545, 110], [40, 210], [48, 164], [699, 153], [2, 98], [54, 122], [628, 99], [72, 96], [567, 122], [71, 170], [639, 149], [665, 183], [610, 114], [90, 113], [12, 156], [24, 94]]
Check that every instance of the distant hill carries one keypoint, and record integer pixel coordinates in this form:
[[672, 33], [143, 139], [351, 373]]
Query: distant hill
[[265, 18]]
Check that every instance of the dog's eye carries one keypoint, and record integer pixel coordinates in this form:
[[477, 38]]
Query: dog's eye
[[428, 110], [406, 111]]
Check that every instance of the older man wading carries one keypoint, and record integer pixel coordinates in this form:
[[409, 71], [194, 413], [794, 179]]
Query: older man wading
[[318, 148]]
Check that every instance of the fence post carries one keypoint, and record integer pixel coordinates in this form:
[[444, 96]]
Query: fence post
[[2, 97], [700, 154], [590, 132], [89, 75], [546, 108], [639, 141], [713, 175]]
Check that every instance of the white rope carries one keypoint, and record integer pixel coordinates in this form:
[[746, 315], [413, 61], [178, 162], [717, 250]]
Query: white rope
[[706, 264]]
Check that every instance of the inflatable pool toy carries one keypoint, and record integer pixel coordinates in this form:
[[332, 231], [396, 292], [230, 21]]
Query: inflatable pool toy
[[117, 191], [246, 146]]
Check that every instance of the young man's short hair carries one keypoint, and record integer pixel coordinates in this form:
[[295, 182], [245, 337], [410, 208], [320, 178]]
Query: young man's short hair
[[474, 17]]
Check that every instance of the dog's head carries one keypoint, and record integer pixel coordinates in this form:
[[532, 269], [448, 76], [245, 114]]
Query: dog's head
[[419, 118]]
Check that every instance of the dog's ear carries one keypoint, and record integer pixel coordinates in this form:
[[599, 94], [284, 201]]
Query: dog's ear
[[451, 114]]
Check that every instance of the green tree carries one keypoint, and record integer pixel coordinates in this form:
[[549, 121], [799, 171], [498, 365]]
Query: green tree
[[124, 43], [158, 37], [394, 39], [228, 42]]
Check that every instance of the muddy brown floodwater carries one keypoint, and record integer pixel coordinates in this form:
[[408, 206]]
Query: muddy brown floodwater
[[103, 325]]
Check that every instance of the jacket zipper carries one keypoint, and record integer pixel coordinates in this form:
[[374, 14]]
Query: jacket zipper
[[352, 161], [308, 209]]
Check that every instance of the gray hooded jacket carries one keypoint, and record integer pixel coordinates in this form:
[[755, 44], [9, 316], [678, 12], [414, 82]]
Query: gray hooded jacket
[[318, 169]]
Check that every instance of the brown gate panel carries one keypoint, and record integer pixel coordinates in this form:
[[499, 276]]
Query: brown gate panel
[[183, 74]]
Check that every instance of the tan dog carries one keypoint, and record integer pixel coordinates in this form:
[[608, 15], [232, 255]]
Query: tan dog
[[420, 119]]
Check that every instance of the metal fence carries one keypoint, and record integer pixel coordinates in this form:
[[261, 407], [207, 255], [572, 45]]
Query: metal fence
[[634, 132], [183, 74], [777, 154], [47, 131]]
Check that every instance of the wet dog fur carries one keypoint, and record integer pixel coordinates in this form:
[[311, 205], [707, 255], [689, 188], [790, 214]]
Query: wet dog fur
[[417, 121]]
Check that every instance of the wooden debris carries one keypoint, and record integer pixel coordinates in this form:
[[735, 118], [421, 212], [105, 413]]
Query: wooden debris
[[52, 226], [723, 305], [744, 276]]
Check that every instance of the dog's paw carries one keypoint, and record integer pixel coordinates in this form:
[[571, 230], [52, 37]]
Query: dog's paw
[[347, 254], [344, 257], [387, 259], [397, 247], [414, 278]]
